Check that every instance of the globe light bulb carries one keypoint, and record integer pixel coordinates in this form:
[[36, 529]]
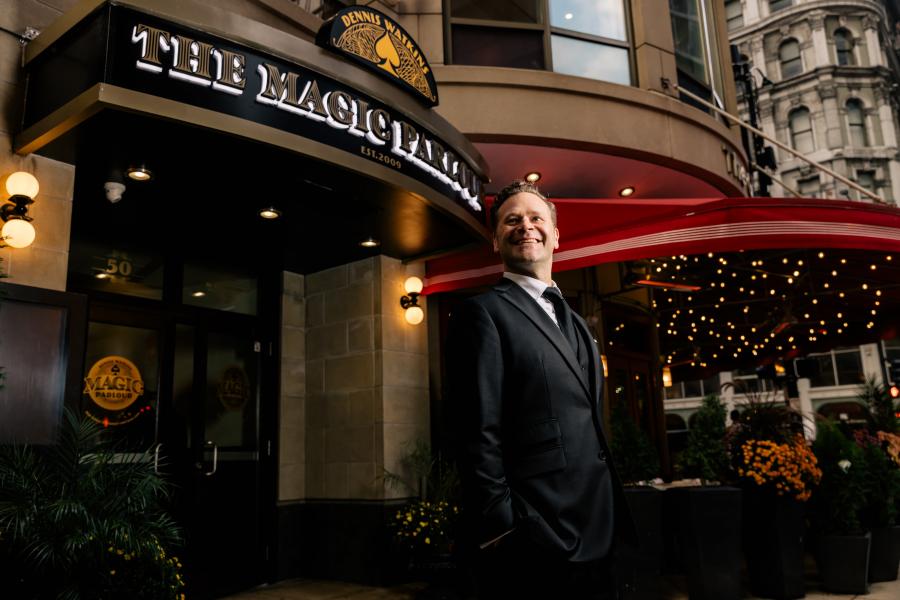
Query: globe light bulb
[[413, 285], [414, 315], [21, 183], [17, 233]]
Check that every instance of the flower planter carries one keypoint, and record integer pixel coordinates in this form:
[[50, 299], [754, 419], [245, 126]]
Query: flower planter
[[843, 562], [705, 538], [884, 556], [773, 531]]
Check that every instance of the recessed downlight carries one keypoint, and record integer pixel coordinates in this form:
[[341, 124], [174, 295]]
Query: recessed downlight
[[370, 242], [533, 177], [269, 213], [139, 173], [198, 294], [626, 191]]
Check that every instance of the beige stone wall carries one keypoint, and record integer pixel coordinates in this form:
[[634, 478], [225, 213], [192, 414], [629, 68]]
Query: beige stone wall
[[45, 262], [366, 382], [292, 404]]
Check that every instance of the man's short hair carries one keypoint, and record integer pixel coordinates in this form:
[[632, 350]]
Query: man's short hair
[[517, 187]]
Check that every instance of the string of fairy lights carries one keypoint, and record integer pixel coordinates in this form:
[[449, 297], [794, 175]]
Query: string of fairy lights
[[748, 308]]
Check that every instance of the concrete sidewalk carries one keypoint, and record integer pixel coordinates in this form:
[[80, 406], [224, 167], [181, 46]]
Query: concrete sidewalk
[[308, 589]]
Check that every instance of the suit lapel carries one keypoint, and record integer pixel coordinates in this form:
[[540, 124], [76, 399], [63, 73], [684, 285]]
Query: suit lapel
[[519, 298]]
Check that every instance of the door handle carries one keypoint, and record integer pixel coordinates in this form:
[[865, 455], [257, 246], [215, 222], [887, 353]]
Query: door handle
[[215, 462], [156, 458]]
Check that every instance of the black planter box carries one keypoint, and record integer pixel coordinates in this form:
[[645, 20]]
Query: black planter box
[[638, 569], [774, 531], [843, 562], [703, 537], [884, 556]]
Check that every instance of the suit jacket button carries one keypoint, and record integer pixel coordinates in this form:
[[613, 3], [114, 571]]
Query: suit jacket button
[[602, 456]]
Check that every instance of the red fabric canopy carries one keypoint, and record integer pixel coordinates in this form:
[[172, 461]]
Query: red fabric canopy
[[595, 231]]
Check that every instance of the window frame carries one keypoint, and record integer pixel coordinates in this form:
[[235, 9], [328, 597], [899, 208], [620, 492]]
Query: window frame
[[811, 130], [842, 33], [772, 10], [834, 370], [861, 126], [732, 19], [782, 62], [543, 25]]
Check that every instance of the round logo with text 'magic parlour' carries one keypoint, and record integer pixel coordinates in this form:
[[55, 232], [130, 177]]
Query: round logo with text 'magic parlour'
[[114, 383]]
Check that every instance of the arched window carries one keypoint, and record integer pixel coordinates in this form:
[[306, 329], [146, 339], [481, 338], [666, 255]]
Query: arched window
[[856, 124], [843, 46], [789, 56], [801, 130]]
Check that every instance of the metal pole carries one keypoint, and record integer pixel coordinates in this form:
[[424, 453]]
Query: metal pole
[[758, 132]]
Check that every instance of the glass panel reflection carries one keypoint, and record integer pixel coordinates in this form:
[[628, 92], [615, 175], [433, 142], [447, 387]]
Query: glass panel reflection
[[604, 18], [120, 382], [521, 11], [589, 59], [230, 416], [221, 289], [116, 270]]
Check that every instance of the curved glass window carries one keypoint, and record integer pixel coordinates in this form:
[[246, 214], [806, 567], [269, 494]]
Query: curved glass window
[[776, 5], [789, 57], [843, 47], [801, 130], [588, 38], [856, 124]]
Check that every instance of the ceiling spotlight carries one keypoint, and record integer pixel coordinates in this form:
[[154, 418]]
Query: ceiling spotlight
[[626, 191], [370, 242], [139, 173], [198, 294], [533, 177], [269, 213]]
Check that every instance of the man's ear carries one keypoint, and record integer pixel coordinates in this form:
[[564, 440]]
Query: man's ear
[[496, 243], [556, 245]]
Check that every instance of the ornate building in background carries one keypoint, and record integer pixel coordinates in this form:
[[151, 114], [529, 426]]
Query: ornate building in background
[[827, 85]]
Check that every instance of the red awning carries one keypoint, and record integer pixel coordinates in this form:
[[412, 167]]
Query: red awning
[[596, 231]]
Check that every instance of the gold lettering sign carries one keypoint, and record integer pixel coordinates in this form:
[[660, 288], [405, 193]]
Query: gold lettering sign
[[114, 383]]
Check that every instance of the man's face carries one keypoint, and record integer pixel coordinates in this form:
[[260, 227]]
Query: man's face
[[525, 235]]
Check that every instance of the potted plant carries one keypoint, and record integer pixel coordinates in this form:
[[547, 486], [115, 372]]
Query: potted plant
[[424, 528], [638, 568], [78, 520], [777, 471], [879, 514], [707, 536], [842, 543]]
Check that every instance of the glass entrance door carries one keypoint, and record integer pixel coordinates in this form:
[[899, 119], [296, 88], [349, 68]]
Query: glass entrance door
[[191, 396]]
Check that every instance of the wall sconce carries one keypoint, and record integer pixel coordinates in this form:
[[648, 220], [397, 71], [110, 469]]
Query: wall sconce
[[414, 312], [667, 376], [605, 365], [17, 231]]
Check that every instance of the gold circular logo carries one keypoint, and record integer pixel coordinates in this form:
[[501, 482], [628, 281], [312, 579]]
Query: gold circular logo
[[234, 388], [114, 383]]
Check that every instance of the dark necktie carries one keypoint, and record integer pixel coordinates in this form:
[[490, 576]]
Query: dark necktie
[[563, 316]]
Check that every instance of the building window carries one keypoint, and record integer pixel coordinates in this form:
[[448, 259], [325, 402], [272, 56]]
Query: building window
[[586, 39], [843, 46], [696, 49], [856, 123], [696, 388], [867, 180], [801, 130], [808, 188], [789, 57], [838, 367], [776, 5], [734, 14]]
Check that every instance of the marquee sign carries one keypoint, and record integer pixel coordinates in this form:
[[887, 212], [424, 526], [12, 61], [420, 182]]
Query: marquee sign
[[377, 42], [167, 60]]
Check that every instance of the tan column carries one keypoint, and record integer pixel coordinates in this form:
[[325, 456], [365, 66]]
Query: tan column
[[654, 47]]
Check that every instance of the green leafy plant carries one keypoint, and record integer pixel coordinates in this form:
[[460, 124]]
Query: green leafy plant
[[425, 474], [838, 503], [705, 456], [882, 481], [634, 455], [78, 520], [880, 405]]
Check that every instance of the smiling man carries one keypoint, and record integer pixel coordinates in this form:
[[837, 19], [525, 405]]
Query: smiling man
[[542, 499]]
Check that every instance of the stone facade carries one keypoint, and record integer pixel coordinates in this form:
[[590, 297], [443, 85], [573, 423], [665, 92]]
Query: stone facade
[[354, 382], [846, 79]]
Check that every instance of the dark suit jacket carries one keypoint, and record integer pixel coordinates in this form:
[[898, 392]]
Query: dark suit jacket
[[533, 455]]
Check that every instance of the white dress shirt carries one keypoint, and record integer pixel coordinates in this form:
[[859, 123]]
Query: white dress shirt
[[535, 288]]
